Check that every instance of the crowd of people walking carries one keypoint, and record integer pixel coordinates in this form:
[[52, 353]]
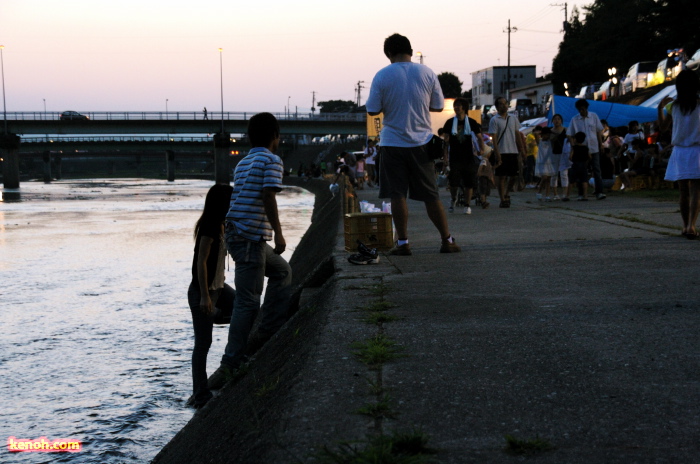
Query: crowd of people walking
[[242, 219]]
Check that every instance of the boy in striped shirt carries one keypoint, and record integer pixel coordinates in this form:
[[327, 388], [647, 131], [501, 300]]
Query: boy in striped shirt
[[251, 222]]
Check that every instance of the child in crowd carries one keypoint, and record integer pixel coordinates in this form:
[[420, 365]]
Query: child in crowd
[[580, 157], [360, 172], [531, 142], [637, 164], [545, 169], [208, 295], [484, 174]]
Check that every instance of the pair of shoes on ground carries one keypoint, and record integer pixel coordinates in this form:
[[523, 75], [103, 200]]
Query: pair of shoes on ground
[[504, 204], [565, 199], [364, 255], [405, 249], [485, 204], [581, 198], [601, 196], [467, 210], [690, 235]]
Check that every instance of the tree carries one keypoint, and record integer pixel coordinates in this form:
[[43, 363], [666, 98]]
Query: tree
[[337, 106], [450, 84], [620, 33]]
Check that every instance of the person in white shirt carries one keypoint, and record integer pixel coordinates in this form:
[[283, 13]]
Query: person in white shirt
[[406, 93], [684, 163], [589, 124]]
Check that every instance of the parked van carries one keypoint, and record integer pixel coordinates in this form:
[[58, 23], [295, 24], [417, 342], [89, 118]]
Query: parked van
[[666, 70], [522, 106], [588, 91], [604, 92], [639, 76]]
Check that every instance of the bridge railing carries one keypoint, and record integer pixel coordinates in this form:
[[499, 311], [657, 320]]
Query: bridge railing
[[126, 138], [182, 115]]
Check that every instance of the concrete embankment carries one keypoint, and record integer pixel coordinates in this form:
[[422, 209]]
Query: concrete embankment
[[573, 328]]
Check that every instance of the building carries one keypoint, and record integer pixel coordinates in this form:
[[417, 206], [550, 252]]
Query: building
[[538, 93], [489, 83]]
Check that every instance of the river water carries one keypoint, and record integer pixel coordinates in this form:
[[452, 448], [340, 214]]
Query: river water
[[95, 333]]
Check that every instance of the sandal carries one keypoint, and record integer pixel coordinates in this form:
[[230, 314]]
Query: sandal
[[485, 204], [691, 235]]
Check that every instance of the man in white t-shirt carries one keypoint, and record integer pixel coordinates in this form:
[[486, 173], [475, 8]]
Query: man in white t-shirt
[[406, 93], [589, 124], [505, 131]]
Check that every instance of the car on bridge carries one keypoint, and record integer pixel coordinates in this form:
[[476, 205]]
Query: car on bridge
[[73, 116]]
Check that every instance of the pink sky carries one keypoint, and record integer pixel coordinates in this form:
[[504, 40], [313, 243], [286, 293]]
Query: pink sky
[[105, 55]]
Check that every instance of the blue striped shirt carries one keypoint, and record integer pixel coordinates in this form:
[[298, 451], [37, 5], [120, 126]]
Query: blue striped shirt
[[259, 169]]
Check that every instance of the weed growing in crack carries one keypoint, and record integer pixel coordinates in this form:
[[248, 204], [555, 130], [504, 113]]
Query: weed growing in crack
[[382, 408], [378, 306], [376, 351], [397, 448], [267, 387], [527, 447], [378, 318]]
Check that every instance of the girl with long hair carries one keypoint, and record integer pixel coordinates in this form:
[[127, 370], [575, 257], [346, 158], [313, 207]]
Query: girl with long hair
[[208, 293], [684, 164]]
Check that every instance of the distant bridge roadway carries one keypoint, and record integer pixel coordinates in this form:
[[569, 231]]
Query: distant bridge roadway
[[187, 122]]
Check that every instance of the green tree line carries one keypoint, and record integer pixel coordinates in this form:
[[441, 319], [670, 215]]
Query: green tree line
[[619, 33]]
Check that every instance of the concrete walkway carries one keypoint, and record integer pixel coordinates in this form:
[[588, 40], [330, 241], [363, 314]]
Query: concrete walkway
[[574, 323]]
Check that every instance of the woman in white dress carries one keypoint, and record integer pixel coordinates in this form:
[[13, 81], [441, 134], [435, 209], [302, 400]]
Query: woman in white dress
[[684, 164]]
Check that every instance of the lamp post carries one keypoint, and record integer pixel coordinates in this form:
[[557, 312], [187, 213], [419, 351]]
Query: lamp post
[[288, 108], [4, 105], [221, 76], [612, 72], [166, 106], [420, 57]]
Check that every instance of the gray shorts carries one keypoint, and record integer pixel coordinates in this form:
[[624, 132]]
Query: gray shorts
[[407, 172]]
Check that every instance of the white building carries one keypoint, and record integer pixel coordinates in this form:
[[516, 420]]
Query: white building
[[489, 83]]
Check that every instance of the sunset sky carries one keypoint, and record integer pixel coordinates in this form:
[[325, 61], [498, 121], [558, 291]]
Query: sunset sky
[[104, 55]]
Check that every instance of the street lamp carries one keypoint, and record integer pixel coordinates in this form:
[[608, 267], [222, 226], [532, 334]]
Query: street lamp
[[4, 105], [420, 57], [288, 109], [221, 75]]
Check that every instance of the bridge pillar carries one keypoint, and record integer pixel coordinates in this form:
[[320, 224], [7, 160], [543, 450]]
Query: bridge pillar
[[222, 153], [46, 156], [170, 165], [9, 143]]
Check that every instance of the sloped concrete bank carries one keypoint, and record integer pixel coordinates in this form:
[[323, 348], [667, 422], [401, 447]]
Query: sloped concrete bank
[[239, 424]]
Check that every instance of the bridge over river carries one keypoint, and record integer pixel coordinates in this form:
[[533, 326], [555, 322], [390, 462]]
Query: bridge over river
[[53, 129]]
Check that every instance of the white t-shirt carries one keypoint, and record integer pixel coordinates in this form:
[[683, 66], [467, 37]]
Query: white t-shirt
[[590, 126], [370, 153], [509, 124], [628, 140], [686, 128], [405, 92]]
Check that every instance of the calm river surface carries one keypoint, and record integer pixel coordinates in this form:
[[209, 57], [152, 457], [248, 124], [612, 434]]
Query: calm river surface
[[95, 333]]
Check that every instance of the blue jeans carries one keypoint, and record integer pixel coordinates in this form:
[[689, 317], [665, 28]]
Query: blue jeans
[[597, 173], [203, 324], [255, 261]]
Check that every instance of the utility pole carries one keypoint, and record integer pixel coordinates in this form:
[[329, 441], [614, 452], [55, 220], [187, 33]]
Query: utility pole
[[509, 30], [313, 102], [566, 14], [358, 89]]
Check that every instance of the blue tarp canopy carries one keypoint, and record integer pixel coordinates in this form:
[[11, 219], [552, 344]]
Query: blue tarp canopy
[[616, 114]]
